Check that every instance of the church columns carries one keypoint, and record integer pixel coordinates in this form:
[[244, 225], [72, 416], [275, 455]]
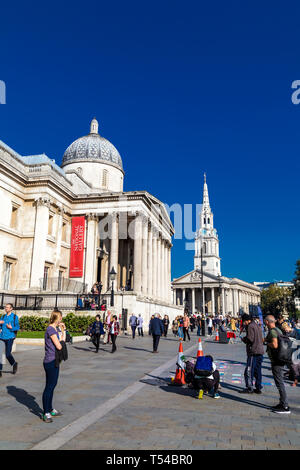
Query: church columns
[[90, 251], [183, 297], [213, 301], [224, 301], [39, 241], [193, 300]]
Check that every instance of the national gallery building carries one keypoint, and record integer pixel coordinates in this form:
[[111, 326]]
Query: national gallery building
[[204, 289], [65, 228]]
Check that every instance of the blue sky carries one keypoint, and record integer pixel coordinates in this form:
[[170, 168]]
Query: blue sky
[[180, 88]]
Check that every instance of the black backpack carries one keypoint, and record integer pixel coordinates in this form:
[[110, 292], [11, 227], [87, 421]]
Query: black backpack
[[284, 351]]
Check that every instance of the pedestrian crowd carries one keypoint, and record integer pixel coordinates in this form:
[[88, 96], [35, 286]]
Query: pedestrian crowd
[[281, 338]]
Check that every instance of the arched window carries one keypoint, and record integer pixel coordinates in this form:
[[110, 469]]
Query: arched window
[[204, 247]]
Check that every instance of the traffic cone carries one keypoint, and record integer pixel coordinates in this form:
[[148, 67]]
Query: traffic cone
[[217, 335], [200, 350], [179, 375]]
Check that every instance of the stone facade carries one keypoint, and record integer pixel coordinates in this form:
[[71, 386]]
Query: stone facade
[[129, 231]]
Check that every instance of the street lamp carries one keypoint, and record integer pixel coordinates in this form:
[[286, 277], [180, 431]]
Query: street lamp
[[112, 276]]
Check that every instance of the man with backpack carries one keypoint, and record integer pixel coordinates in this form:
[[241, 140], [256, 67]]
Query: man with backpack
[[274, 348], [9, 325]]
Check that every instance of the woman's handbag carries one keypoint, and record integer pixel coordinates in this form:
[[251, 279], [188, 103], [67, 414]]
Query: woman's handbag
[[105, 339]]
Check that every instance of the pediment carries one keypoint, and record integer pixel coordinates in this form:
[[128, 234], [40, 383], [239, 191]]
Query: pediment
[[194, 277]]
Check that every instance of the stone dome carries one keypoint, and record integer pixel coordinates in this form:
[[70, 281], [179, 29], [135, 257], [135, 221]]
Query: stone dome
[[92, 147]]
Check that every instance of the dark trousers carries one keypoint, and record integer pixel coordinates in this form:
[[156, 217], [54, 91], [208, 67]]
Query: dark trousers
[[96, 340], [140, 330], [165, 330], [277, 372], [209, 330], [156, 339], [8, 347], [198, 330], [253, 371], [113, 339], [207, 384], [186, 332], [52, 373], [133, 331]]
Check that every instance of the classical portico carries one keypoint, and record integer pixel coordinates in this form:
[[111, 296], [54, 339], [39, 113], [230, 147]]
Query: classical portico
[[215, 295]]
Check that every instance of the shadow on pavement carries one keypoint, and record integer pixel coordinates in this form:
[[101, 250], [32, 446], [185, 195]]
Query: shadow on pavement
[[26, 399], [190, 392], [137, 349]]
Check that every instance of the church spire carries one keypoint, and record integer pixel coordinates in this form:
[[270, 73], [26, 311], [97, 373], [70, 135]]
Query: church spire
[[205, 194]]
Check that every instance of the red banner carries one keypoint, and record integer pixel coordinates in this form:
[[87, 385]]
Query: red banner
[[77, 247]]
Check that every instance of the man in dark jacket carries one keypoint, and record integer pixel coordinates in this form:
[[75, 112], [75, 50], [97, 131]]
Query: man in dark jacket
[[157, 329], [255, 351]]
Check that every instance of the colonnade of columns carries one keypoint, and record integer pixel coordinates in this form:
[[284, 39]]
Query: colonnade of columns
[[215, 300], [146, 254]]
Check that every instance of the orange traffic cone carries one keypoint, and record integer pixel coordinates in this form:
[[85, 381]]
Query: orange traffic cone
[[200, 350], [217, 335], [180, 374]]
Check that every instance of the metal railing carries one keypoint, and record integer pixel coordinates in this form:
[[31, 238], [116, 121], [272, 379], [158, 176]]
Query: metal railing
[[51, 301], [61, 284]]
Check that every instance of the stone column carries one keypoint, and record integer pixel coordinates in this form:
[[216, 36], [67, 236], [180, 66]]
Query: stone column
[[158, 267], [114, 243], [193, 300], [183, 296], [145, 256], [137, 272], [236, 302], [161, 265], [166, 296], [40, 241], [150, 262], [90, 251], [61, 211], [213, 311], [224, 301], [154, 263], [169, 271]]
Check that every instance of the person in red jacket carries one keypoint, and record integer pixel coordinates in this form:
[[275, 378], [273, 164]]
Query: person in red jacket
[[114, 331]]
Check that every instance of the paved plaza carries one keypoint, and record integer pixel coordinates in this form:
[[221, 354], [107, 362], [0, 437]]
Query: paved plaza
[[124, 401]]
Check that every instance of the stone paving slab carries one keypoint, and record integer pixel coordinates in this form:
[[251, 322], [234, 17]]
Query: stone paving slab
[[233, 422], [158, 416]]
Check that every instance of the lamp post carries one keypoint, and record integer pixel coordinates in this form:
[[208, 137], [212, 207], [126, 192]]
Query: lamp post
[[112, 276]]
